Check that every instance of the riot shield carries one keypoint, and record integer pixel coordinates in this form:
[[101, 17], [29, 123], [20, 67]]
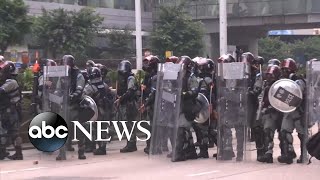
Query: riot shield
[[56, 92], [232, 85], [313, 93], [312, 110], [166, 108]]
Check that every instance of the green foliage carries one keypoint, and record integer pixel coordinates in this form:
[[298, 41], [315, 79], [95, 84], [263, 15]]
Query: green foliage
[[14, 22], [273, 48], [139, 77], [177, 32], [113, 76], [309, 48], [66, 32], [118, 42], [25, 80]]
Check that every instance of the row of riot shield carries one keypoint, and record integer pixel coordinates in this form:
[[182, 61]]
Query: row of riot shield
[[232, 99], [232, 83]]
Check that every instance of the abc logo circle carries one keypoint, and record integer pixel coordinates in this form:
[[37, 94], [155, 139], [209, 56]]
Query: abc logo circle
[[48, 132]]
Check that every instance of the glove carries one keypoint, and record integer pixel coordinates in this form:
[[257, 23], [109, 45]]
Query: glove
[[186, 95]]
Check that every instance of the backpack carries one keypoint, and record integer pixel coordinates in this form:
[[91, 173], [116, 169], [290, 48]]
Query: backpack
[[313, 146]]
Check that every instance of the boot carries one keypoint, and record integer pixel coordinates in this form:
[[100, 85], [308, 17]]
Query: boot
[[100, 151], [130, 147], [191, 152], [302, 149], [81, 153], [286, 155], [60, 158], [267, 158], [147, 148], [203, 152], [62, 154], [18, 155], [259, 140]]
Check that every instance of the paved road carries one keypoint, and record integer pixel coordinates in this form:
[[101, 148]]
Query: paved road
[[139, 166]]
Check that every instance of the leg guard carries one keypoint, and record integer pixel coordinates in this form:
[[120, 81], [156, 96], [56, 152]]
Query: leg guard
[[259, 140], [287, 139]]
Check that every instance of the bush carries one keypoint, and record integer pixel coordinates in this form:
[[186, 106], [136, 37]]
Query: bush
[[25, 80]]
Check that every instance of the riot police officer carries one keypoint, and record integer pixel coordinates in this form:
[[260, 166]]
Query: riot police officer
[[150, 65], [254, 89], [77, 83], [127, 102], [101, 94], [185, 148], [103, 69], [292, 120], [268, 115], [206, 131], [10, 111]]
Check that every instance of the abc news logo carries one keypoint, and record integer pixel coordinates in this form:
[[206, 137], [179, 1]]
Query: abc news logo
[[48, 131]]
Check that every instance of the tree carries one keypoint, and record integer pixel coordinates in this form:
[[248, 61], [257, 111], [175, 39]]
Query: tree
[[307, 49], [177, 32], [118, 43], [66, 32], [273, 48], [14, 23]]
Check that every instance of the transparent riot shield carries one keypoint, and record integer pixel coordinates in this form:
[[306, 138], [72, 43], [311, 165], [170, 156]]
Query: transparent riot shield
[[166, 109], [56, 92], [312, 99], [232, 82]]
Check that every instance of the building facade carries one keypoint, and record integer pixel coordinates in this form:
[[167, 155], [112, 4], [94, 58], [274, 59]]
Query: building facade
[[117, 14]]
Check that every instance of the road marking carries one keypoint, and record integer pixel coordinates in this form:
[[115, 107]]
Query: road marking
[[203, 173], [21, 170]]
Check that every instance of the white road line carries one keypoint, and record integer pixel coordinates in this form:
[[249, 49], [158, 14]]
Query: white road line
[[203, 173], [21, 170]]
